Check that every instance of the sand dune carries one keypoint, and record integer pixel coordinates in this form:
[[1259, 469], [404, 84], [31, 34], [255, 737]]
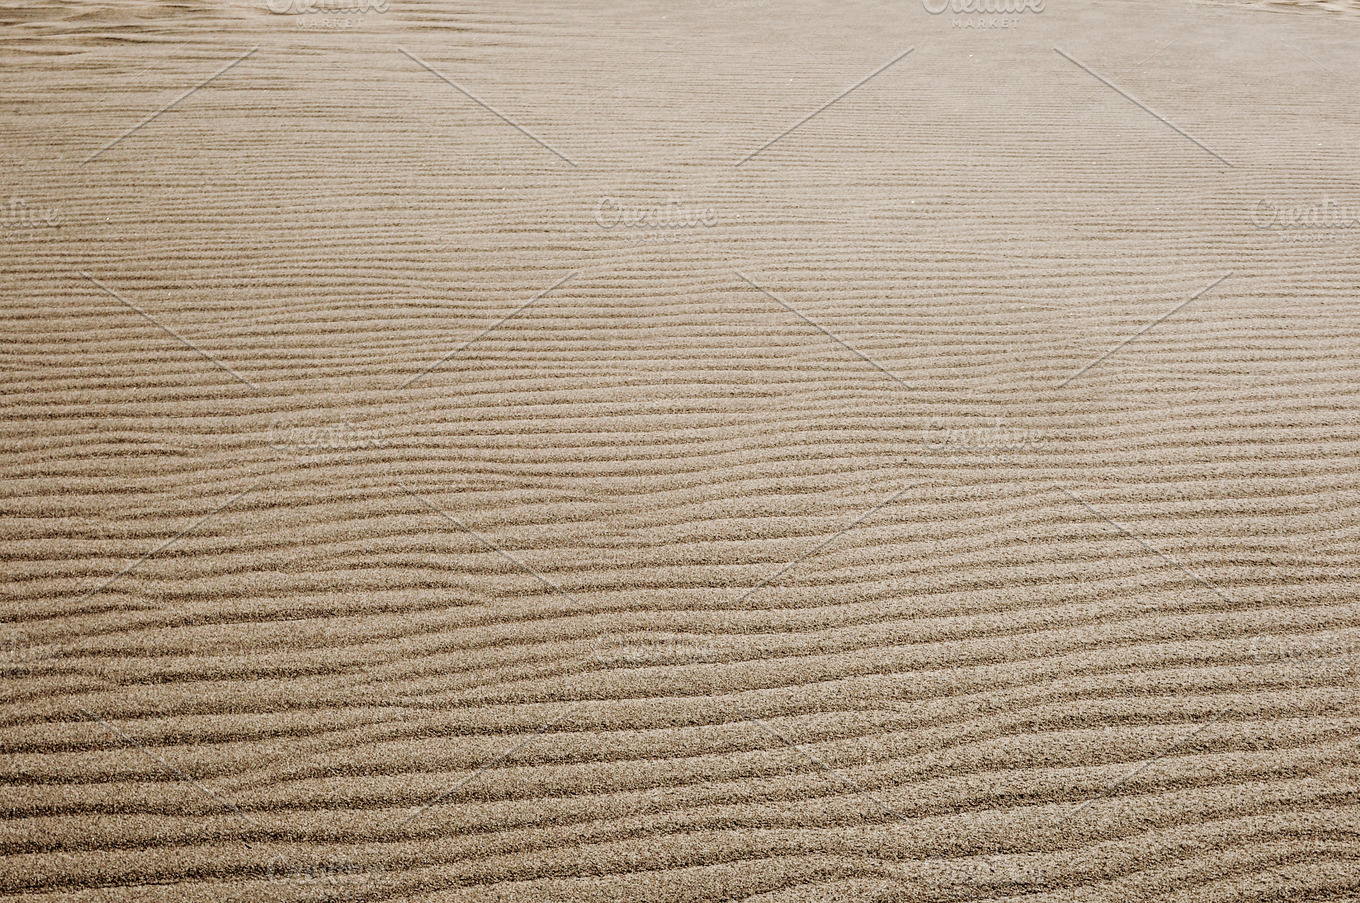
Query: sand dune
[[680, 451]]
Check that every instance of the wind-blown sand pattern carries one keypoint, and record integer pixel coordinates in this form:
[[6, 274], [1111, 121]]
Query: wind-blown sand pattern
[[454, 453]]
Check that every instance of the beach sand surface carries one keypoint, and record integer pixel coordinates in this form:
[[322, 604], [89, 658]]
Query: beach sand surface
[[680, 451]]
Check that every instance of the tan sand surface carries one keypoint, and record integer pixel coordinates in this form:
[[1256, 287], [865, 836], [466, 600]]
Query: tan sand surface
[[680, 450]]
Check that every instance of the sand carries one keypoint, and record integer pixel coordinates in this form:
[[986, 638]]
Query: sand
[[762, 450]]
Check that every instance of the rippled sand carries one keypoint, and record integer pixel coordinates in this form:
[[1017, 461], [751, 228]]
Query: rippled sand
[[680, 451]]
